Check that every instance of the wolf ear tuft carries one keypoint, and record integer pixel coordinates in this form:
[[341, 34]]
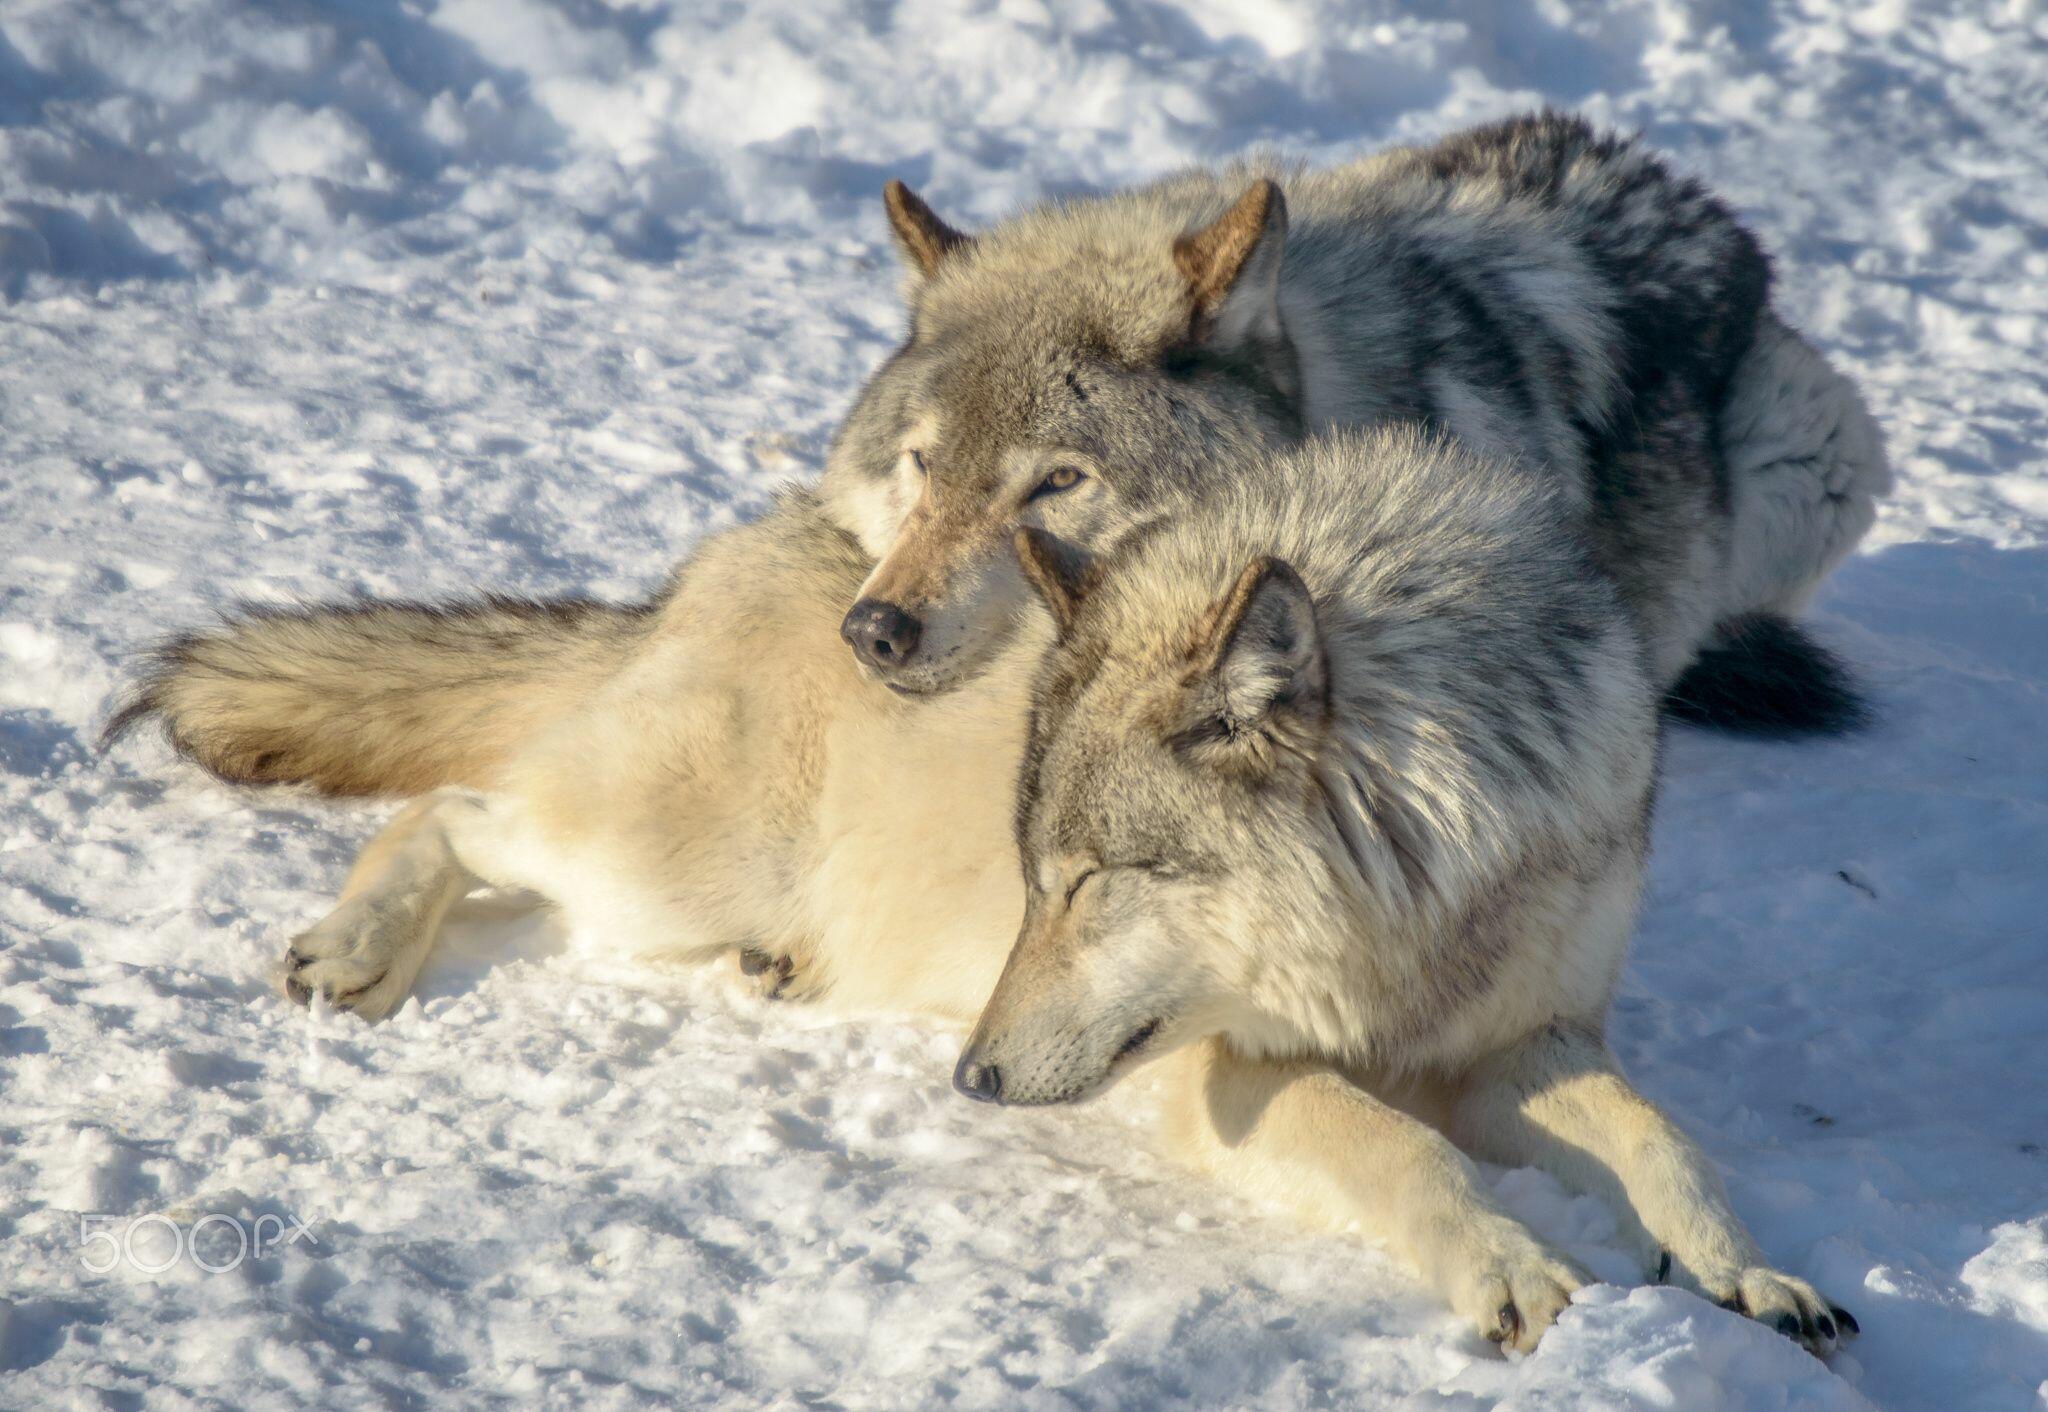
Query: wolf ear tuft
[[924, 239], [1232, 265], [1062, 574], [1261, 673]]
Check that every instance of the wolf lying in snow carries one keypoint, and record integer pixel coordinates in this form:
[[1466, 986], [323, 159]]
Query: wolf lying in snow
[[1334, 799], [1342, 801], [1532, 286]]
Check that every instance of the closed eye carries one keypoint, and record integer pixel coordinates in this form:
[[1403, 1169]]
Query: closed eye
[[1075, 886], [917, 460]]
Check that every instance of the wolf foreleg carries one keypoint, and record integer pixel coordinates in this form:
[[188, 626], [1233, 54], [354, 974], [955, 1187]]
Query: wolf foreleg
[[1558, 1100], [365, 954], [1304, 1136]]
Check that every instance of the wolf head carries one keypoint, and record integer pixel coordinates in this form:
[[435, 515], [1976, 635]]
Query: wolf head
[[1306, 762], [1162, 825], [1070, 371]]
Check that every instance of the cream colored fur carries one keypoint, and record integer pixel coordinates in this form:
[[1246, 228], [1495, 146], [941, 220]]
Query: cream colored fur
[[732, 785]]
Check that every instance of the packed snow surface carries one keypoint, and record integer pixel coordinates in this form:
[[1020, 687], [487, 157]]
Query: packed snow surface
[[418, 296]]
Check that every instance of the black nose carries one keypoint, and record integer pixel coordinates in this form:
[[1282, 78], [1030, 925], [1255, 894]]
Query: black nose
[[981, 1082], [883, 634]]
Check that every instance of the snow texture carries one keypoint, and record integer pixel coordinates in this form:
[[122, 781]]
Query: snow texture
[[416, 296]]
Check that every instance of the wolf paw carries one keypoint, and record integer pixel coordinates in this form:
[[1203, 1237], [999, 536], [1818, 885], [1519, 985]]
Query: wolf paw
[[767, 975], [774, 975], [1790, 1305], [356, 959], [1513, 1287]]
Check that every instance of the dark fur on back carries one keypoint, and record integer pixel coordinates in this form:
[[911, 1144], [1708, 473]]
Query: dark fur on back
[[1694, 282], [1692, 278]]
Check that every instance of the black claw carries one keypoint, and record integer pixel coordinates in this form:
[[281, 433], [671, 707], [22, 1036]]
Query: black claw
[[1664, 1268], [1826, 1326], [297, 991], [1788, 1325], [1733, 1304], [1845, 1319], [755, 962]]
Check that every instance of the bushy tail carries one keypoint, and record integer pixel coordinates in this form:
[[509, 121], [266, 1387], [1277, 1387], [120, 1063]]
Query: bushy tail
[[381, 698], [1767, 677]]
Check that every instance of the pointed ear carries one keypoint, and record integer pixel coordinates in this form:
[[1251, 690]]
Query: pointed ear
[[1261, 669], [924, 239], [1062, 574], [1232, 265]]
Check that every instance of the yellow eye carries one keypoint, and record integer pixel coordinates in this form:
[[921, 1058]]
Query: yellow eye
[[1062, 478]]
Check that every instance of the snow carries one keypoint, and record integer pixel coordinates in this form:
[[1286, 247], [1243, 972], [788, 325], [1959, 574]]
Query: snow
[[415, 296]]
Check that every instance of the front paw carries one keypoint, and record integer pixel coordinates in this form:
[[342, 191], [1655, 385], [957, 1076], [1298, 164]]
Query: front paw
[[1509, 1284], [1786, 1303], [358, 958]]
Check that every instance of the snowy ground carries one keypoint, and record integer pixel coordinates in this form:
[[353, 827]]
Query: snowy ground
[[409, 296]]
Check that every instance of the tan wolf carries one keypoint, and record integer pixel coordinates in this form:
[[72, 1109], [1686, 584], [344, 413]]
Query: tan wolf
[[1347, 840]]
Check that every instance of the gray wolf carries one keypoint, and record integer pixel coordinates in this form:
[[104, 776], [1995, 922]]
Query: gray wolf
[[1535, 287], [1338, 804], [1452, 705]]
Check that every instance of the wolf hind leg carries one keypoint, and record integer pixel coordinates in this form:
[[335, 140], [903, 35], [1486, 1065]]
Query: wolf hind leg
[[364, 955], [1806, 470], [1310, 1138], [1558, 1100]]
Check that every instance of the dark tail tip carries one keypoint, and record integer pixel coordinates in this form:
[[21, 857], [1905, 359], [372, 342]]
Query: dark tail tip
[[146, 698], [132, 713], [1766, 677]]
